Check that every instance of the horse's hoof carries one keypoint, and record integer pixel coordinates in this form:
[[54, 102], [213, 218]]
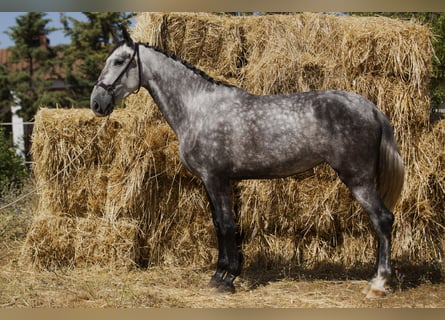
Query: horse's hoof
[[366, 289], [374, 293], [226, 288], [375, 289], [221, 287], [215, 282]]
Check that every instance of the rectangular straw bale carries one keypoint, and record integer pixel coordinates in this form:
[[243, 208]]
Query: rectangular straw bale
[[58, 241], [70, 177], [211, 42], [420, 227], [178, 226], [313, 51], [106, 243], [50, 242], [277, 51]]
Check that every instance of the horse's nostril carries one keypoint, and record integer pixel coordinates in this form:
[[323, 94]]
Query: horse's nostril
[[95, 106], [100, 110]]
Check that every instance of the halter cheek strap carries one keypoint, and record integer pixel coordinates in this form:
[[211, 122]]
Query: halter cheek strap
[[111, 87]]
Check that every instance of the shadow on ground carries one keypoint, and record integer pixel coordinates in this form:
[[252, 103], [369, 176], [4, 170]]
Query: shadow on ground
[[406, 275]]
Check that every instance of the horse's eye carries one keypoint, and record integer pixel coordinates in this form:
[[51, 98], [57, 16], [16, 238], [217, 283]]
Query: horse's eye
[[118, 62]]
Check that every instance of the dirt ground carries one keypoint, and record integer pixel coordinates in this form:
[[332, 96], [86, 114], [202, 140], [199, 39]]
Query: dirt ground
[[187, 287]]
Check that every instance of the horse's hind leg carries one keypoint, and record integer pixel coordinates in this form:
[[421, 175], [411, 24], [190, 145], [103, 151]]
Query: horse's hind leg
[[229, 257], [382, 220]]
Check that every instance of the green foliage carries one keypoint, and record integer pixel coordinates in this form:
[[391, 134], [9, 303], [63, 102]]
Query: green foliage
[[26, 35], [438, 28], [5, 95], [437, 84], [12, 169], [28, 83], [77, 65], [436, 21]]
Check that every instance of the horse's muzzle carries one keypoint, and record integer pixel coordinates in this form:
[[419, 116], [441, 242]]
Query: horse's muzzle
[[98, 110], [101, 103]]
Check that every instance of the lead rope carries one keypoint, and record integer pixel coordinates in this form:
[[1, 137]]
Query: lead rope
[[26, 195]]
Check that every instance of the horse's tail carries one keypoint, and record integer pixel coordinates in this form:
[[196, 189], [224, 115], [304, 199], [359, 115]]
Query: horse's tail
[[391, 171]]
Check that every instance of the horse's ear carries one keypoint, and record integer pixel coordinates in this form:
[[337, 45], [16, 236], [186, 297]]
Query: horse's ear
[[114, 36], [126, 36]]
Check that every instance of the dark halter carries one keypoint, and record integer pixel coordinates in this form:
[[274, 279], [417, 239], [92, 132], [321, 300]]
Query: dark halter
[[110, 87]]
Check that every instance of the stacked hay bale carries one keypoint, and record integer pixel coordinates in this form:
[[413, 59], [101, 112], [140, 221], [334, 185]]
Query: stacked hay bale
[[69, 226], [127, 199], [114, 202]]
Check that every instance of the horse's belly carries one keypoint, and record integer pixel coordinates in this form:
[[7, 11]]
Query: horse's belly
[[260, 168]]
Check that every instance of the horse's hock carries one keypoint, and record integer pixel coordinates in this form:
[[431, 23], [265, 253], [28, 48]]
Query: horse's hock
[[127, 200]]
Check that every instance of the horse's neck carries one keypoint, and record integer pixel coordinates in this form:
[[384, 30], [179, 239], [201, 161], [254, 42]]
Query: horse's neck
[[173, 86]]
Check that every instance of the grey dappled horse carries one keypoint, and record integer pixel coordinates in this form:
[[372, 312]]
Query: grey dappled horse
[[226, 133]]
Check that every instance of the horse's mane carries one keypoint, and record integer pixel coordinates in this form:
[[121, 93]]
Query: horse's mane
[[188, 65]]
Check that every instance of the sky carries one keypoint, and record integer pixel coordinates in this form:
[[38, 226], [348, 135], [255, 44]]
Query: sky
[[7, 19]]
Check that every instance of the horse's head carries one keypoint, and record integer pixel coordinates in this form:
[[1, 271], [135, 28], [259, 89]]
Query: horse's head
[[120, 77]]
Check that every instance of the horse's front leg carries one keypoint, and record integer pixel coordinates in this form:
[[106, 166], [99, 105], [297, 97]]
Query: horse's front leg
[[229, 257]]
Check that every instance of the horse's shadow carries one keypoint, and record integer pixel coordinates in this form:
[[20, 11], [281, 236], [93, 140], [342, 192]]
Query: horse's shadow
[[406, 275]]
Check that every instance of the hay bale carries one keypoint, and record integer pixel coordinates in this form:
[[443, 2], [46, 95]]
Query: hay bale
[[107, 243], [211, 42], [133, 173], [419, 229], [55, 241], [49, 243], [80, 187], [122, 197]]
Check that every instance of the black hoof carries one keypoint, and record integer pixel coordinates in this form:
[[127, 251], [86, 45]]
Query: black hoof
[[226, 288], [222, 285], [215, 282]]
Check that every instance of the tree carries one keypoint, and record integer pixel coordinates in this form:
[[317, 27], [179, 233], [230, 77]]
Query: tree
[[30, 36], [437, 87], [5, 96], [12, 169], [90, 44]]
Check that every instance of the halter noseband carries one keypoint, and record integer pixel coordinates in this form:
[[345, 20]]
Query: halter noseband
[[110, 87]]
